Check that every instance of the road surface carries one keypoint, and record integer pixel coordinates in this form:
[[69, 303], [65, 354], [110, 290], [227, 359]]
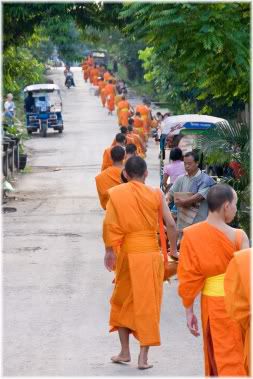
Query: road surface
[[56, 289]]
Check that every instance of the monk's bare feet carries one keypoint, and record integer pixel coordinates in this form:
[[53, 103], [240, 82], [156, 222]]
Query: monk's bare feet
[[143, 363], [121, 358], [175, 257]]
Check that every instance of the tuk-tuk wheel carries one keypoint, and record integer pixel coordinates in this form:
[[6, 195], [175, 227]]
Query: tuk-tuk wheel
[[60, 131], [29, 132]]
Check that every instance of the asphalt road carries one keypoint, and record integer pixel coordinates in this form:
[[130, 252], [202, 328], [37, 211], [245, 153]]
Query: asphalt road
[[56, 289]]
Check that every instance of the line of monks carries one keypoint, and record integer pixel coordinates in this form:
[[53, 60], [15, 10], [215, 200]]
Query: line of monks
[[207, 263]]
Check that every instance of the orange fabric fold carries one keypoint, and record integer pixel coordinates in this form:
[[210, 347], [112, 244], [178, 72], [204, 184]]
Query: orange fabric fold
[[237, 297], [131, 219], [204, 252], [107, 179]]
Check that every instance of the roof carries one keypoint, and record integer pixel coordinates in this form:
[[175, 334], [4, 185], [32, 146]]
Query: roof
[[41, 87], [174, 124]]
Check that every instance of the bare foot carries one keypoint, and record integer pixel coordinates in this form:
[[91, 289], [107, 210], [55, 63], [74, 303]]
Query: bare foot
[[175, 257], [143, 365], [121, 358]]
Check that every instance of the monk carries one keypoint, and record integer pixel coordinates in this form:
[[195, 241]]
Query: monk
[[129, 139], [144, 111], [139, 126], [237, 298], [90, 60], [101, 86], [123, 111], [205, 252], [120, 140], [141, 149], [130, 222], [110, 93], [111, 176], [86, 71], [94, 74], [107, 76]]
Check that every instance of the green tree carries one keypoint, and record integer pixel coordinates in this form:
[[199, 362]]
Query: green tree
[[200, 52]]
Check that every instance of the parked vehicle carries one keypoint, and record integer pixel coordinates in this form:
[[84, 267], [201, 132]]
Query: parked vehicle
[[184, 131], [43, 106], [100, 57]]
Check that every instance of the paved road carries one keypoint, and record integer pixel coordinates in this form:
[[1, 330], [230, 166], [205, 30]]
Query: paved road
[[56, 289]]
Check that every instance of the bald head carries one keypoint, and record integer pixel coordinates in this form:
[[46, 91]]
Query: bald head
[[117, 154], [218, 195], [136, 167]]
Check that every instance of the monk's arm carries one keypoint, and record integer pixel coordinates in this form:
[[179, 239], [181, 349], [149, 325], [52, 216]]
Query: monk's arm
[[245, 241], [171, 227]]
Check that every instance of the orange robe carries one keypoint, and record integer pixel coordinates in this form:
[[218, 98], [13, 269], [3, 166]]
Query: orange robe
[[131, 222], [237, 297], [137, 142], [145, 115], [94, 73], [86, 72], [110, 93], [107, 160], [205, 252], [139, 127], [102, 85], [123, 112], [107, 76], [106, 180]]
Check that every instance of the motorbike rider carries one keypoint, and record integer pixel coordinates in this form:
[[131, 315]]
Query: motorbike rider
[[69, 75]]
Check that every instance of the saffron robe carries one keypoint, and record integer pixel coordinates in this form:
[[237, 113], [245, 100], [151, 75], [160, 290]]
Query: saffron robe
[[237, 297], [131, 221], [106, 180], [110, 93], [101, 86], [205, 252], [123, 112], [107, 160]]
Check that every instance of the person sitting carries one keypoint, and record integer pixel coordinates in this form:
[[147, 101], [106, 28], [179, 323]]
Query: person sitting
[[29, 103], [69, 75], [174, 169]]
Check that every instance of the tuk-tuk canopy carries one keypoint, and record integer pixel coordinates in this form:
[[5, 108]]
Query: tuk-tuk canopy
[[42, 88], [175, 124]]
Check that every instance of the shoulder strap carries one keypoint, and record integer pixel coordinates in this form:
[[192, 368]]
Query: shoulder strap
[[238, 239], [161, 228]]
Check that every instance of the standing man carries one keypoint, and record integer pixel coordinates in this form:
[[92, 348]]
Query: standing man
[[123, 111], [237, 298], [205, 252], [120, 140], [131, 222], [111, 176], [193, 186], [9, 107], [110, 93]]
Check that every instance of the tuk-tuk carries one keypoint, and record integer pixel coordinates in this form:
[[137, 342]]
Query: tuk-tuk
[[182, 131], [43, 107]]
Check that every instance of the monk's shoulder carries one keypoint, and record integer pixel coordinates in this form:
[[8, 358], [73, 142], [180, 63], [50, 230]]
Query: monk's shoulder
[[195, 229], [119, 190]]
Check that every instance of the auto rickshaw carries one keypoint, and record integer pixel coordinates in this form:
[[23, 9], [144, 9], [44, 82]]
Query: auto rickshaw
[[183, 133], [43, 107]]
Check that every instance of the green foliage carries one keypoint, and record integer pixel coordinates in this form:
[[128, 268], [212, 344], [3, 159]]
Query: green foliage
[[200, 52], [231, 142], [20, 69]]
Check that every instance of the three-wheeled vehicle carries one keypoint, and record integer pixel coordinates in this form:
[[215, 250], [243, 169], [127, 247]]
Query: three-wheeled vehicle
[[182, 131], [43, 107]]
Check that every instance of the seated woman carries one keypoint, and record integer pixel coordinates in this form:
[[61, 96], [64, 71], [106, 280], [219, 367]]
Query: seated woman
[[174, 169]]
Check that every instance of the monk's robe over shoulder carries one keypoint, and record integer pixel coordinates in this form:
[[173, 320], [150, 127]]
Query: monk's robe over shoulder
[[205, 252], [130, 222], [107, 160], [106, 180], [237, 297]]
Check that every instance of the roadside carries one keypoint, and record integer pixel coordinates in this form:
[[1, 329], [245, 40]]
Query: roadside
[[56, 290]]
